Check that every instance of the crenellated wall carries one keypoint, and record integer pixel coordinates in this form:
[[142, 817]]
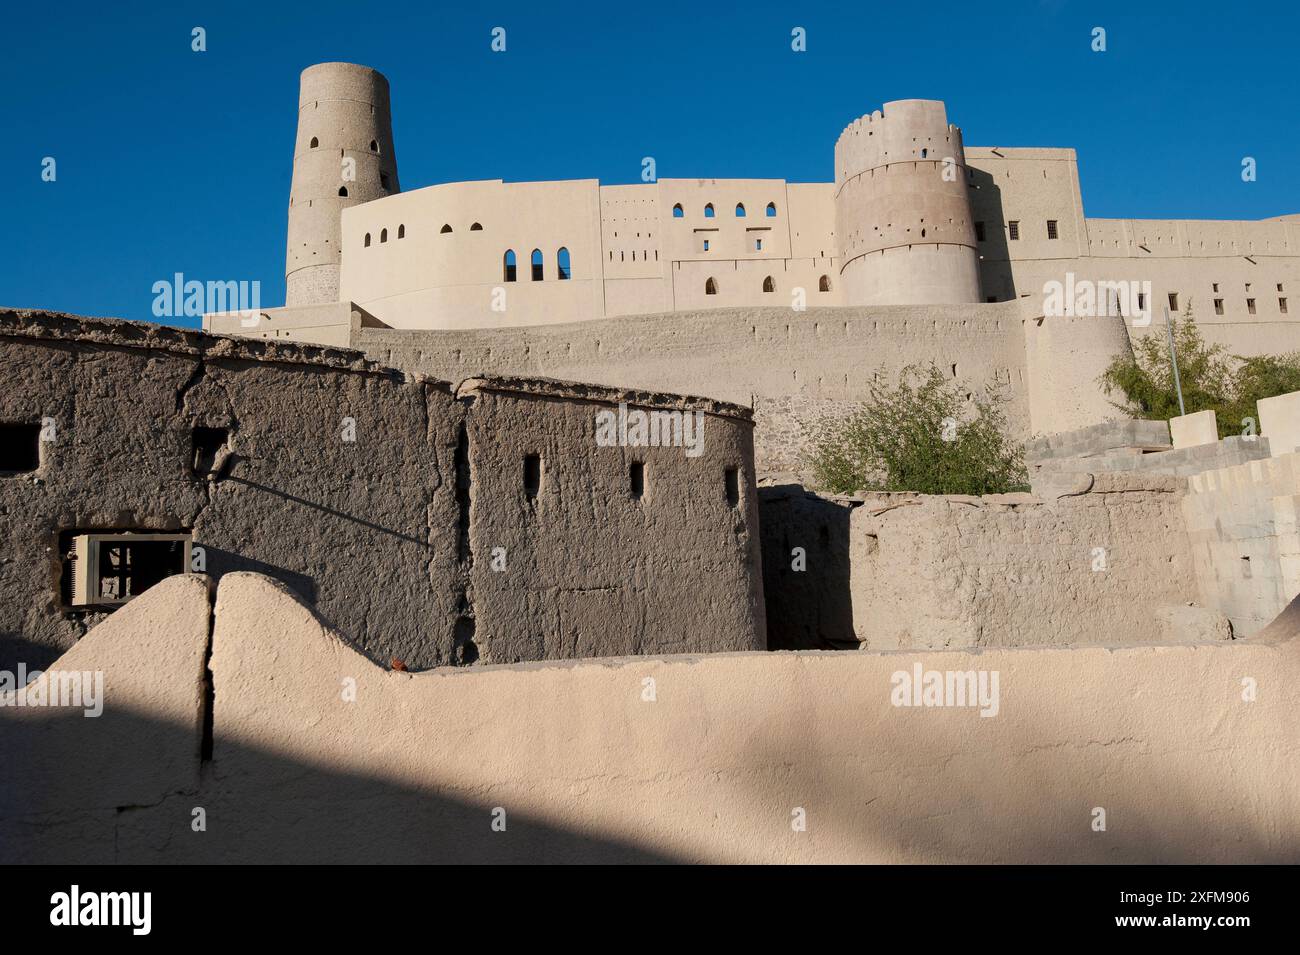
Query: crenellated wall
[[903, 219]]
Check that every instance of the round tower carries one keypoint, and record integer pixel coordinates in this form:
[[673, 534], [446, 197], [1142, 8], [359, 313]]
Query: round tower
[[902, 211], [343, 156]]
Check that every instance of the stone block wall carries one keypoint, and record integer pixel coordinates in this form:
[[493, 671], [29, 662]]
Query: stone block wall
[[1245, 538]]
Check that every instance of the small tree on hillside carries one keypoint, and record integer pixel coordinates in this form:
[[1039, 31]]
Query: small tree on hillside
[[922, 435], [1211, 379]]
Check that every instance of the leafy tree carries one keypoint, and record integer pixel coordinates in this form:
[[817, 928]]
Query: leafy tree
[[921, 435], [1211, 379]]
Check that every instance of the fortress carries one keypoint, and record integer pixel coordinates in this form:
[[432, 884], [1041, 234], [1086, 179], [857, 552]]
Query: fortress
[[786, 297]]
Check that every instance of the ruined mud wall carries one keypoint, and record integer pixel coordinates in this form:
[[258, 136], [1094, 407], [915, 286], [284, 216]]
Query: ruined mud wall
[[794, 367], [1102, 566], [341, 479], [587, 563], [574, 762]]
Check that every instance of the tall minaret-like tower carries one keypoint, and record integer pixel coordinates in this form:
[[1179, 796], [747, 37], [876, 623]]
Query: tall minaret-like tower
[[902, 209], [343, 156]]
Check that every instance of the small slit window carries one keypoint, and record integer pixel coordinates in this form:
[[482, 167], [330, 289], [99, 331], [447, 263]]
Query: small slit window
[[732, 481], [206, 444], [383, 235], [636, 479], [374, 146], [367, 243], [532, 475], [401, 231]]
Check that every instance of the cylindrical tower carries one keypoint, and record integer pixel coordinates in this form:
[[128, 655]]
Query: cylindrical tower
[[343, 156], [902, 210]]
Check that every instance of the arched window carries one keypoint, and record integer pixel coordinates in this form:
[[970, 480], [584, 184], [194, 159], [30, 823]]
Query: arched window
[[769, 285], [677, 211], [446, 227], [924, 153], [343, 191], [383, 235], [401, 231], [708, 211], [710, 287], [537, 265], [562, 263], [740, 210], [374, 146], [771, 210], [314, 142], [367, 240], [824, 284], [476, 228], [509, 262]]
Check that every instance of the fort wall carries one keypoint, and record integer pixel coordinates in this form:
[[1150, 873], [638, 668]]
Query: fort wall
[[680, 758]]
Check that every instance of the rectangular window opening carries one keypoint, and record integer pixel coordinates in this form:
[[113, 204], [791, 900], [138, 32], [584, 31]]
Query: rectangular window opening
[[1051, 228], [1218, 306], [111, 567], [20, 448], [1013, 230], [733, 486], [532, 475], [1281, 305], [1250, 305], [1173, 301], [636, 479], [979, 232], [206, 444]]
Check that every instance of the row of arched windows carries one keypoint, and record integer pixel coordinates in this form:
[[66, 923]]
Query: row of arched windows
[[383, 235], [679, 212], [510, 270], [769, 285], [401, 229]]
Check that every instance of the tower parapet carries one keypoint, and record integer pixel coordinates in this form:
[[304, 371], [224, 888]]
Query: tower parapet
[[343, 156], [902, 209]]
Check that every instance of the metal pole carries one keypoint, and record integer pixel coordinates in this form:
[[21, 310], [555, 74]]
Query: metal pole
[[1173, 359]]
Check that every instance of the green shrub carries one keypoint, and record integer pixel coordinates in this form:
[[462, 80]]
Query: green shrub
[[922, 435]]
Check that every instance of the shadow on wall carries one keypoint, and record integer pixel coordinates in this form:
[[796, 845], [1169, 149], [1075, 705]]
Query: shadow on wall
[[995, 257], [274, 810], [809, 608]]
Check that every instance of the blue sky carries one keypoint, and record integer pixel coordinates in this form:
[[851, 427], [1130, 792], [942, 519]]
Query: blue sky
[[174, 161]]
